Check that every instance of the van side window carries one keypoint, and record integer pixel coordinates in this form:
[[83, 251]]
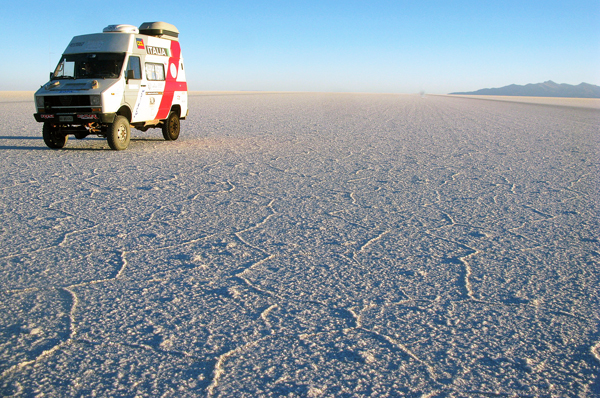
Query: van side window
[[155, 71], [134, 65]]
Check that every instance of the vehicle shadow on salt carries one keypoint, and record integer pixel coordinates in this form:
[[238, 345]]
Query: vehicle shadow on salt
[[100, 144], [151, 139], [19, 137], [20, 147]]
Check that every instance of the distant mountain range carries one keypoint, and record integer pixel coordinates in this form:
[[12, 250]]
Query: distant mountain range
[[546, 89]]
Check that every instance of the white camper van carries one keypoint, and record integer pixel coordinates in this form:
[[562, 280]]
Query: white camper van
[[106, 82]]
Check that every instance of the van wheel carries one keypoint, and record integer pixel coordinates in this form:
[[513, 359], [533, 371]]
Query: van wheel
[[119, 134], [53, 137], [170, 128]]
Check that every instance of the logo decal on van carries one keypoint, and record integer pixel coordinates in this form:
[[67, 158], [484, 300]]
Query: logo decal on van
[[157, 51], [140, 44]]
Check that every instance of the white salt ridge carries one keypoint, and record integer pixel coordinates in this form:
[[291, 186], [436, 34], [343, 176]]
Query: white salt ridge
[[305, 245], [592, 103]]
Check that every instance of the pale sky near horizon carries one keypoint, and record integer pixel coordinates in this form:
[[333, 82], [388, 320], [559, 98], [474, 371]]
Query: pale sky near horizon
[[326, 45]]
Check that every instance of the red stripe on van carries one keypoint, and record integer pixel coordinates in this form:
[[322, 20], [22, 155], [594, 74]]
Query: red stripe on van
[[171, 85]]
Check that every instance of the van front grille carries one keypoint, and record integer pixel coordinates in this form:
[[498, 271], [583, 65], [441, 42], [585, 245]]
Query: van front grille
[[67, 103]]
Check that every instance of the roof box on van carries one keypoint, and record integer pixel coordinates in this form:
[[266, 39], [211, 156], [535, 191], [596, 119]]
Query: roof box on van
[[160, 29]]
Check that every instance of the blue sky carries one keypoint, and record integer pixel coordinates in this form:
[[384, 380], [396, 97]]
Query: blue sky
[[326, 45]]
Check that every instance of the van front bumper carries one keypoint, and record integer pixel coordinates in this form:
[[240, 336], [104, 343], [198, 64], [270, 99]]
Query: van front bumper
[[75, 118]]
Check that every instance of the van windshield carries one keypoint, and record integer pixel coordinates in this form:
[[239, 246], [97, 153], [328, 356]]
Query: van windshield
[[89, 66]]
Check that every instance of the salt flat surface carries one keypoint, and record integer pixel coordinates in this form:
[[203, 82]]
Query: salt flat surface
[[312, 245], [16, 96]]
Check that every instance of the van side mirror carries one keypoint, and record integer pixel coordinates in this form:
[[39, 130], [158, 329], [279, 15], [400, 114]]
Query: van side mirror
[[51, 74], [130, 74]]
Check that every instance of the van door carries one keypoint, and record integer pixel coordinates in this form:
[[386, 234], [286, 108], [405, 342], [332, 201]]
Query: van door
[[140, 93], [155, 75], [134, 87]]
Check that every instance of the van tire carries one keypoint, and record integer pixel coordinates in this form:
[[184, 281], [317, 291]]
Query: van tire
[[119, 134], [171, 126], [53, 138]]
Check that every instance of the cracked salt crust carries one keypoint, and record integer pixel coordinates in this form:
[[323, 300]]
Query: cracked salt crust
[[308, 245]]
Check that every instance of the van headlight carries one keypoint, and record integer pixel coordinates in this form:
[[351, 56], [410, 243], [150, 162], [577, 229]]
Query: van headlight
[[95, 100], [39, 101]]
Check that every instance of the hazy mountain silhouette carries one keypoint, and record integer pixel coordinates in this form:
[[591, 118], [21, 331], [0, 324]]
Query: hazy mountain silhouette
[[546, 89]]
